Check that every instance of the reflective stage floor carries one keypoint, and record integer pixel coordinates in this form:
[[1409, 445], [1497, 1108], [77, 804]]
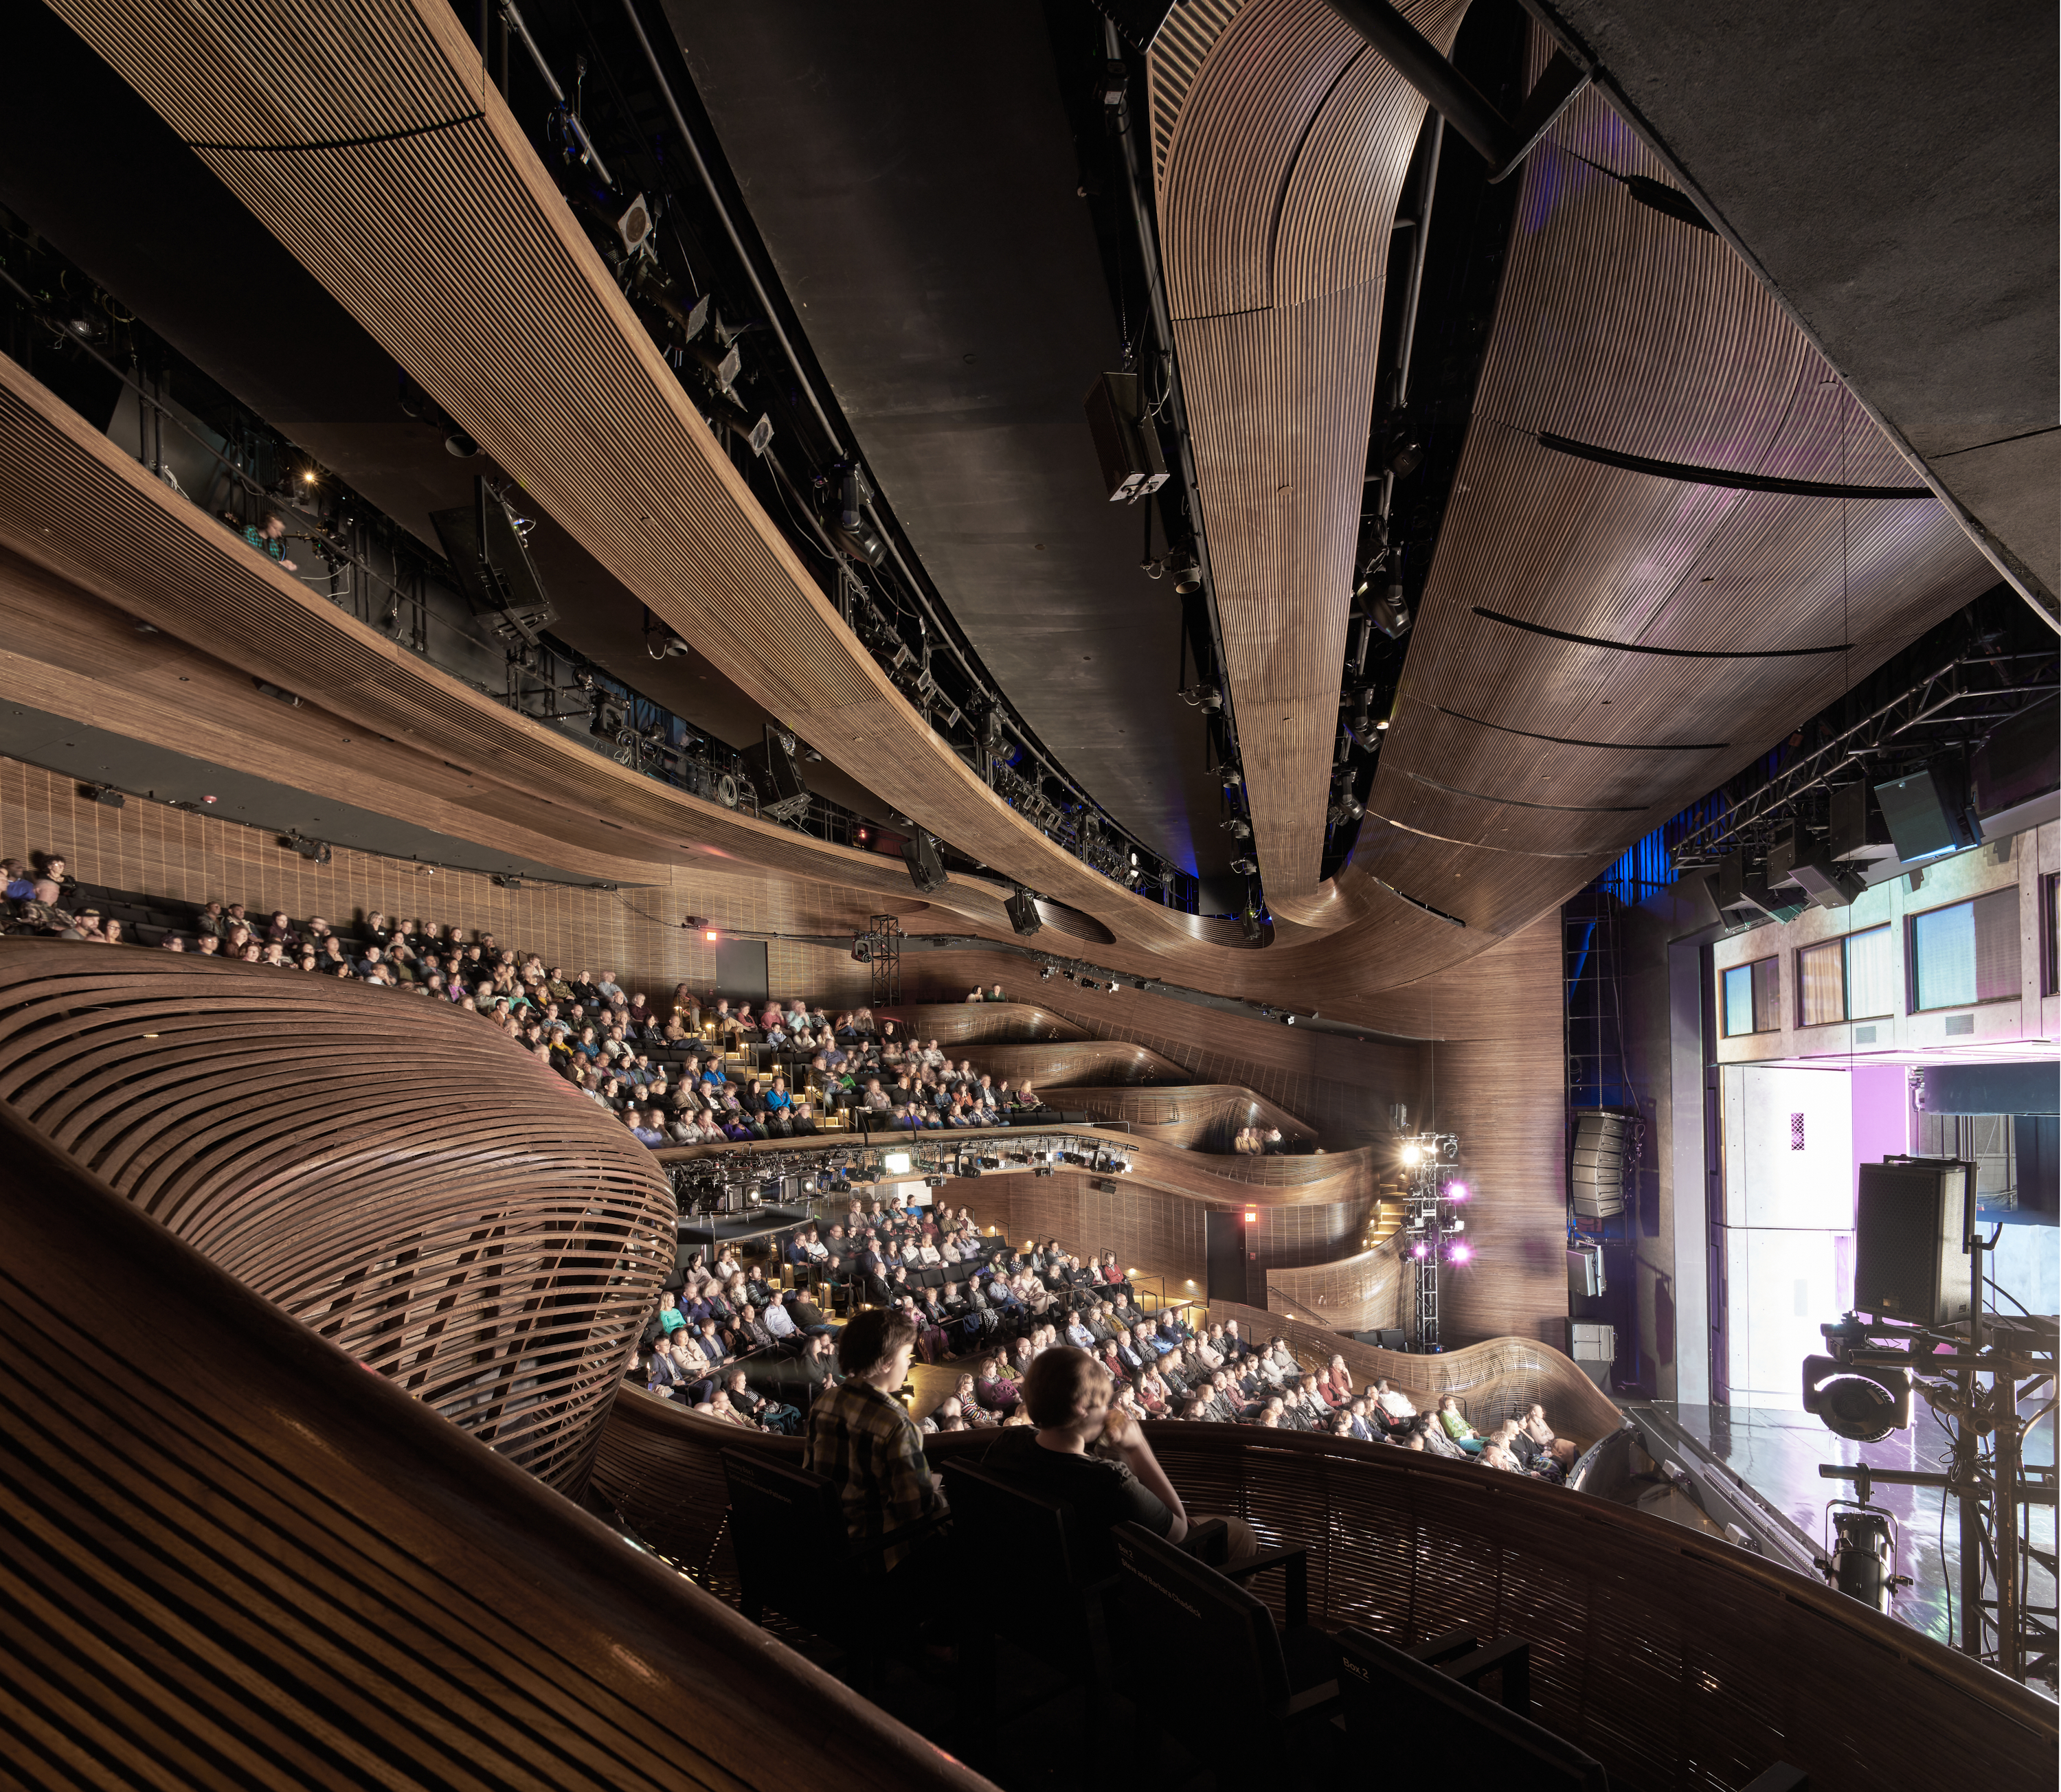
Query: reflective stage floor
[[1778, 1452]]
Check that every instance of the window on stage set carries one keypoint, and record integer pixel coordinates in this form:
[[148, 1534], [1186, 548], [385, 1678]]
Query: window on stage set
[[1753, 998], [1966, 954], [1852, 979]]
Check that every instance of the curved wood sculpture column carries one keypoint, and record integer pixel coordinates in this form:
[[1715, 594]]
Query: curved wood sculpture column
[[385, 1168], [229, 1557]]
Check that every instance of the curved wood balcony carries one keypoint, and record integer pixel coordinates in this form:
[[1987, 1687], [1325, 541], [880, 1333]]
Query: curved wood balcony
[[385, 1170], [1672, 1660], [964, 1023]]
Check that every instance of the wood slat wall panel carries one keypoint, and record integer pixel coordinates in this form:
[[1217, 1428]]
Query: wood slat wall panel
[[232, 1557], [959, 1023], [158, 851], [1679, 1666]]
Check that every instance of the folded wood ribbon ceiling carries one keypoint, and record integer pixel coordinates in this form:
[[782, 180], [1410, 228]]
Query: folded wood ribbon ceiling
[[1282, 141]]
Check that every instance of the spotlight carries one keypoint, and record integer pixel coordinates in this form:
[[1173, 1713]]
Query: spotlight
[[1457, 1191], [1045, 973], [1233, 777], [317, 850], [1289, 1019], [1420, 1249], [1391, 612], [1863, 1405], [676, 648], [1245, 867], [506, 881], [1411, 1153], [458, 445], [1110, 986], [114, 799], [1458, 1252]]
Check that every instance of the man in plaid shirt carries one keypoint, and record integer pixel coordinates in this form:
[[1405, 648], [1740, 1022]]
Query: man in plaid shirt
[[861, 1439]]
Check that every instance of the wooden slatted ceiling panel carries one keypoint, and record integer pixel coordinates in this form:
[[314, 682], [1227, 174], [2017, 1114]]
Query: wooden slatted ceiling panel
[[625, 463], [1677, 1664], [388, 1171], [230, 1557], [1620, 327], [1276, 200]]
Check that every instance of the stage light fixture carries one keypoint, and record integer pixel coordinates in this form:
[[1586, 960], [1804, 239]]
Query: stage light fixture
[[1420, 1249], [1457, 1191], [1862, 1404], [1411, 1154]]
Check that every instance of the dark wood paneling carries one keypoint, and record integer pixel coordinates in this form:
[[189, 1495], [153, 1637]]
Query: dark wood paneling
[[391, 1171], [230, 1556]]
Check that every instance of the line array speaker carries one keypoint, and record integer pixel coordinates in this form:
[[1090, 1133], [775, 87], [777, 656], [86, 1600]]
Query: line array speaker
[[1604, 1143]]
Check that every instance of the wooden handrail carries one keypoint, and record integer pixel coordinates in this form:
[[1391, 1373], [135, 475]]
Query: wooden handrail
[[1672, 1659]]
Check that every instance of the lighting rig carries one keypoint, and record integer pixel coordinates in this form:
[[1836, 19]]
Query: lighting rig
[[1976, 1374], [1433, 1225]]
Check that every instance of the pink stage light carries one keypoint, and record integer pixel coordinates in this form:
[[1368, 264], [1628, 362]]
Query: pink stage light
[[1420, 1249], [1457, 1191], [1459, 1254]]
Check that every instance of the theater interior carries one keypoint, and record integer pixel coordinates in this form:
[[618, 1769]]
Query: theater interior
[[871, 652]]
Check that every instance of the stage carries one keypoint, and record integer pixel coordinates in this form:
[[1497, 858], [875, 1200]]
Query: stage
[[1775, 1454]]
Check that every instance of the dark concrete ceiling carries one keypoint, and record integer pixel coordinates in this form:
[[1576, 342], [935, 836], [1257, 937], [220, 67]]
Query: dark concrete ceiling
[[911, 170], [90, 166], [1889, 169]]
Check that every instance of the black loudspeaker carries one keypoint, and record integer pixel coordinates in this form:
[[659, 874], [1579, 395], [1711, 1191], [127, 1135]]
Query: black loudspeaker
[[1603, 1145], [926, 871], [2020, 762], [1859, 832], [1910, 1228], [1126, 441], [1023, 914], [489, 558], [1741, 891], [782, 796], [1926, 812]]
